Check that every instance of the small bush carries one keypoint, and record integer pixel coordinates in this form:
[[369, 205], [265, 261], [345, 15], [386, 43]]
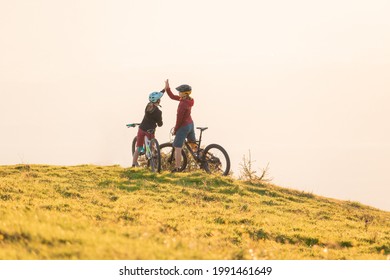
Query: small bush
[[249, 175]]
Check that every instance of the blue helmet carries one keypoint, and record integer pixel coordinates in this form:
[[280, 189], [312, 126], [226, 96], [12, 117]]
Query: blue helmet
[[155, 96]]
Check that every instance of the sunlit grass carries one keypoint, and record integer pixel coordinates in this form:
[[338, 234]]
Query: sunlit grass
[[94, 212]]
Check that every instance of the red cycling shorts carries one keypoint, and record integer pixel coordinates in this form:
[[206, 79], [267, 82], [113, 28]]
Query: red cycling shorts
[[141, 137]]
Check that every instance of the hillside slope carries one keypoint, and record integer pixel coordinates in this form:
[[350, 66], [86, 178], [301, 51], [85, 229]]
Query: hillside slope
[[95, 212]]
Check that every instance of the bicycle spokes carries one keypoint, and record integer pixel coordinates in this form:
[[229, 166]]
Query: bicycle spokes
[[154, 156], [213, 162], [167, 153], [216, 160]]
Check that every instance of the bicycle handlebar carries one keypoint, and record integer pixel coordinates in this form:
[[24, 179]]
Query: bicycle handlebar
[[132, 124]]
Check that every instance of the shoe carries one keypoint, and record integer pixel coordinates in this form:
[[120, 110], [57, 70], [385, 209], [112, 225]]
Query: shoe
[[176, 170], [135, 165]]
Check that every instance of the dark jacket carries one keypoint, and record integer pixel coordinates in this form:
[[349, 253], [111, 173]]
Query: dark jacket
[[152, 118]]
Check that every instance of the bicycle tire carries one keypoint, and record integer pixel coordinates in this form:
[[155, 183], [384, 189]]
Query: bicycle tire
[[133, 144], [155, 160], [167, 153], [216, 160]]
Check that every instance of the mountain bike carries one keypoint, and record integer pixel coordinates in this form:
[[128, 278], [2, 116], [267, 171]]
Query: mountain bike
[[213, 159], [149, 155]]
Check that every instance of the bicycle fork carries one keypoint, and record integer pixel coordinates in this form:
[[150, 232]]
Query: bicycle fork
[[148, 152]]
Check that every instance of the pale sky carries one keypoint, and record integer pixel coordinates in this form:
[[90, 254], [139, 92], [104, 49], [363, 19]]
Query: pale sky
[[303, 85]]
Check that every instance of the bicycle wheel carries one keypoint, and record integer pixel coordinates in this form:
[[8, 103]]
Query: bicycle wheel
[[133, 145], [167, 153], [155, 157], [216, 160]]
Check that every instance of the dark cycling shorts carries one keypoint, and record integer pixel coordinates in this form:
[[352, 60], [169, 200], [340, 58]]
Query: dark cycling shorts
[[182, 133]]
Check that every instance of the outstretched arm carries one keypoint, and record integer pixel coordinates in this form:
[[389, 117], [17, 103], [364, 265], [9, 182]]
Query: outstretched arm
[[169, 92]]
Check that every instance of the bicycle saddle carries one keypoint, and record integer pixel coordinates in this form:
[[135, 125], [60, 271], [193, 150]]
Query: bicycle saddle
[[202, 128]]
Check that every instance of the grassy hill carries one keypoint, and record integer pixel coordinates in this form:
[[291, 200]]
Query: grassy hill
[[94, 212]]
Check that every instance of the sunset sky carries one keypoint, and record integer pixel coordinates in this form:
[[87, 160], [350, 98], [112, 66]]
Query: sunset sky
[[303, 85]]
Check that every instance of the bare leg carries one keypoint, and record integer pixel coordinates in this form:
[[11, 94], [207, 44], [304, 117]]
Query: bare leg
[[178, 158], [135, 157]]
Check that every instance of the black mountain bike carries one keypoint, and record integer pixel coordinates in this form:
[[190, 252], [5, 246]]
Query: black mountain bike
[[150, 154], [213, 159]]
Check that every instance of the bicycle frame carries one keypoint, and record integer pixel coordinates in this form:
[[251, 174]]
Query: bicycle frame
[[148, 152], [195, 154]]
